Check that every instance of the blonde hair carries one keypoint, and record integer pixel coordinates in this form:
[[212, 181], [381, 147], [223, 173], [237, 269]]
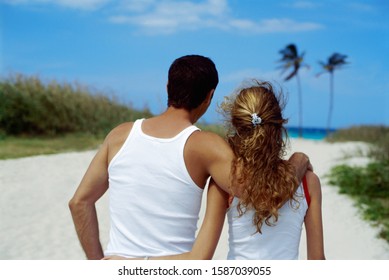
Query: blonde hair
[[265, 179]]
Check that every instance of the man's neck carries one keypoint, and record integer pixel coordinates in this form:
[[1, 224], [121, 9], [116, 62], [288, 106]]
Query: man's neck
[[179, 115], [168, 124]]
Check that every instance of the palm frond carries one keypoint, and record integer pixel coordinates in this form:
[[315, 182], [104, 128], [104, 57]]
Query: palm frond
[[335, 61], [292, 74], [289, 53]]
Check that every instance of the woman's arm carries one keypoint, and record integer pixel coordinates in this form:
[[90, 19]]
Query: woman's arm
[[313, 219], [211, 228]]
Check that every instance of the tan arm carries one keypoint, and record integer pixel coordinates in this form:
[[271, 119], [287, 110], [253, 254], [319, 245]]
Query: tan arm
[[82, 206], [301, 163], [313, 220]]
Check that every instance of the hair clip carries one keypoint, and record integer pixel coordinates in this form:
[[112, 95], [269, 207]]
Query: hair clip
[[255, 120]]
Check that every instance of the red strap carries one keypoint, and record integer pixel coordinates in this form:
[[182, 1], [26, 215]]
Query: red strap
[[306, 192]]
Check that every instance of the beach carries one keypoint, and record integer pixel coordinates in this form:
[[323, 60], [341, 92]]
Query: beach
[[36, 223]]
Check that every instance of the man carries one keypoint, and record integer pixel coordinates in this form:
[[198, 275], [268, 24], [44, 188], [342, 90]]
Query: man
[[156, 170]]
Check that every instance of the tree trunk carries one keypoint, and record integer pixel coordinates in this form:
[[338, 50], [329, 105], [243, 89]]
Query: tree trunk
[[331, 102], [300, 101]]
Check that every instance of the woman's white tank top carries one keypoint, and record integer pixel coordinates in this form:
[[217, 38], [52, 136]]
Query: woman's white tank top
[[280, 241]]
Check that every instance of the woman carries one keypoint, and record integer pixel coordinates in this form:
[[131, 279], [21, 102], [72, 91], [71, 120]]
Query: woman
[[265, 222]]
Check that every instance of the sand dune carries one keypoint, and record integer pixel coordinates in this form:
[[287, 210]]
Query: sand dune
[[35, 222]]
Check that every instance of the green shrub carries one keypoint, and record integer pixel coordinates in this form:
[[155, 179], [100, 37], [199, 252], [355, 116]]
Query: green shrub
[[377, 135], [371, 181], [30, 107], [369, 186], [370, 134]]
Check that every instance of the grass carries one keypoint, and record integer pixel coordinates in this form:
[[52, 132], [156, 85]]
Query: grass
[[370, 134], [16, 147], [367, 185], [25, 146]]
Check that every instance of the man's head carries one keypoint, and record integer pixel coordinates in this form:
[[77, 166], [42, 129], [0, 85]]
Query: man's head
[[190, 80]]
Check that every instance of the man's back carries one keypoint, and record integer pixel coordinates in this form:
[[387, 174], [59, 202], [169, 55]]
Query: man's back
[[165, 200], [205, 153]]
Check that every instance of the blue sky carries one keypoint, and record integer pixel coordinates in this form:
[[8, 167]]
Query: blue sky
[[125, 48]]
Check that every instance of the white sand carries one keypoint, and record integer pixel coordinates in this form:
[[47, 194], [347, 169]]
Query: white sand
[[35, 222]]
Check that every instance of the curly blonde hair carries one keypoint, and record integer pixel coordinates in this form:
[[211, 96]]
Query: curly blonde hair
[[265, 179]]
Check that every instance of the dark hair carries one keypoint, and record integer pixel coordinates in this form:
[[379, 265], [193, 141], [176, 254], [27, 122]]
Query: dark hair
[[191, 78]]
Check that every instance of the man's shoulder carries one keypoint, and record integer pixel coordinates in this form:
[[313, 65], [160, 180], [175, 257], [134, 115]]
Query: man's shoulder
[[120, 133], [207, 137], [207, 141]]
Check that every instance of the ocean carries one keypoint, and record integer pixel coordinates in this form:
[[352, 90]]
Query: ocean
[[309, 133]]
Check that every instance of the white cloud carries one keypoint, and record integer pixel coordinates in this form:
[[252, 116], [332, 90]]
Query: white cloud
[[75, 4], [168, 16], [361, 7], [305, 5], [274, 25], [136, 5]]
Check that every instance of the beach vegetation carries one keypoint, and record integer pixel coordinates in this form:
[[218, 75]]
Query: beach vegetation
[[46, 118], [38, 117], [376, 135], [367, 185], [25, 146], [31, 107]]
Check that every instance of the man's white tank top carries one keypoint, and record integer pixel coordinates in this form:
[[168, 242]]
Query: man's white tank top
[[280, 241], [154, 203]]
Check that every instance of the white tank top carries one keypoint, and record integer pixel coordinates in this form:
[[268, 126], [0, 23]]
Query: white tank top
[[280, 241], [154, 203]]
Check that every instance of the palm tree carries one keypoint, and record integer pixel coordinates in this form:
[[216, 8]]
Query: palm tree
[[291, 58], [335, 61]]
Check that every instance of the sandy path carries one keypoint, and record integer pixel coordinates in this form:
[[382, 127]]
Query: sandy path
[[35, 222], [346, 235]]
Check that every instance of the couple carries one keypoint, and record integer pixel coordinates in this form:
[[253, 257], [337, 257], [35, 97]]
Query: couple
[[157, 168]]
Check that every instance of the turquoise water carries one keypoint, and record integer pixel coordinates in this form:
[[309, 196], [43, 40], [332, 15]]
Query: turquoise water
[[309, 133]]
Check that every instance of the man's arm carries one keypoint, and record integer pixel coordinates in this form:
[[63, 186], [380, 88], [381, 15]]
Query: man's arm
[[301, 163], [82, 206], [313, 220], [217, 158]]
